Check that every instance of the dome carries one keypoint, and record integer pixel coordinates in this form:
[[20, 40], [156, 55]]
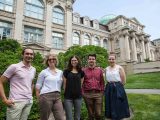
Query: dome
[[105, 19]]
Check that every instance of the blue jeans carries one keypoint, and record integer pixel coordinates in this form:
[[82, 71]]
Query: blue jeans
[[68, 104]]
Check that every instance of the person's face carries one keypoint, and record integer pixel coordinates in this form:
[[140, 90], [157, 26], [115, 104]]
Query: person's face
[[28, 55], [74, 62], [52, 61], [111, 60], [91, 61]]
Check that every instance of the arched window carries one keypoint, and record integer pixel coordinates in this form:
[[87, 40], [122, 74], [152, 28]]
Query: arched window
[[5, 29], [76, 38], [105, 44], [34, 9], [58, 15], [6, 5], [96, 41], [86, 40]]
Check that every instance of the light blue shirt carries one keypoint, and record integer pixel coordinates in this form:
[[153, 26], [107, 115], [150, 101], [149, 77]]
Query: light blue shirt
[[48, 81]]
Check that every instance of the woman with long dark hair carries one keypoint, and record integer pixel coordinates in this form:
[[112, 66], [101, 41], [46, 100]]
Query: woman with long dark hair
[[73, 79]]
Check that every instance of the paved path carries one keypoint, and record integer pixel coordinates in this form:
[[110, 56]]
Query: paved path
[[143, 91]]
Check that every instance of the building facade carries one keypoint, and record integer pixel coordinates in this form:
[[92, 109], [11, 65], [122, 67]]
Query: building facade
[[51, 26]]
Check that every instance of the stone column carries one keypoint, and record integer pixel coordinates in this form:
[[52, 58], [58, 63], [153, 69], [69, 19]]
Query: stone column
[[101, 41], [153, 57], [68, 24], [122, 47], [109, 42], [92, 39], [143, 49], [126, 44], [18, 20], [109, 45], [48, 30], [81, 38], [148, 49], [134, 49]]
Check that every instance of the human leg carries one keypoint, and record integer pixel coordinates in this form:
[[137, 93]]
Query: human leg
[[58, 108], [77, 109], [89, 101], [26, 110], [68, 108], [45, 104], [14, 112], [98, 105]]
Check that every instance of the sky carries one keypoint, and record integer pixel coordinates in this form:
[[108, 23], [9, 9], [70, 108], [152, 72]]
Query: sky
[[147, 12]]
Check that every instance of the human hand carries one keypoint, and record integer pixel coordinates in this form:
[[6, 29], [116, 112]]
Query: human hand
[[8, 102]]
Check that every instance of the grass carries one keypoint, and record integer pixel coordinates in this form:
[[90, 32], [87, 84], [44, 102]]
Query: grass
[[143, 81], [145, 107]]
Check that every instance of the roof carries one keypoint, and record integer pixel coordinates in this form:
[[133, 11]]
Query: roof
[[105, 19]]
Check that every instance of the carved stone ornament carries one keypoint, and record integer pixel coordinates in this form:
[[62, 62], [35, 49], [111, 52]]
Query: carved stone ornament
[[50, 1], [69, 7]]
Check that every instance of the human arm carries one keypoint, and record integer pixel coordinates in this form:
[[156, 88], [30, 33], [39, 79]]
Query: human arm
[[82, 78], [122, 75], [39, 84], [33, 85], [102, 84], [6, 101], [64, 82]]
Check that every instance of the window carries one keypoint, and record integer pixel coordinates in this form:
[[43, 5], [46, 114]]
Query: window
[[125, 23], [34, 9], [5, 30], [76, 38], [57, 40], [32, 34], [6, 5], [115, 24], [86, 40], [58, 15], [105, 44], [96, 42]]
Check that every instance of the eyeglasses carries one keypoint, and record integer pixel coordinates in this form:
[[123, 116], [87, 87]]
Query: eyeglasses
[[111, 59], [51, 59]]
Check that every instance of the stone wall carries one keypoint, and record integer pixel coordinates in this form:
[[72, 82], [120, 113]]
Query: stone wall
[[146, 67]]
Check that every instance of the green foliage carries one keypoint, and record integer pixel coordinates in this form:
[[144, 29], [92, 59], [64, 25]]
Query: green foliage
[[82, 52], [9, 44], [145, 107], [146, 80], [38, 62], [7, 58], [147, 60]]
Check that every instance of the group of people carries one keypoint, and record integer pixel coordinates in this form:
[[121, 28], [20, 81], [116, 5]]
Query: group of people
[[87, 83]]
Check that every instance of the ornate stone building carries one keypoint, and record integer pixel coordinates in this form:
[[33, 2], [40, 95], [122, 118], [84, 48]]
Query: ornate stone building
[[128, 40], [51, 26]]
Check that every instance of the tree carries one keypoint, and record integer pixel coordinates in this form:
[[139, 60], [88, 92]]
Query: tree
[[82, 52], [9, 45]]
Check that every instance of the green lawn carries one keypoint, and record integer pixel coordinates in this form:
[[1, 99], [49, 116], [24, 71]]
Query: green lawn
[[144, 81], [145, 107]]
